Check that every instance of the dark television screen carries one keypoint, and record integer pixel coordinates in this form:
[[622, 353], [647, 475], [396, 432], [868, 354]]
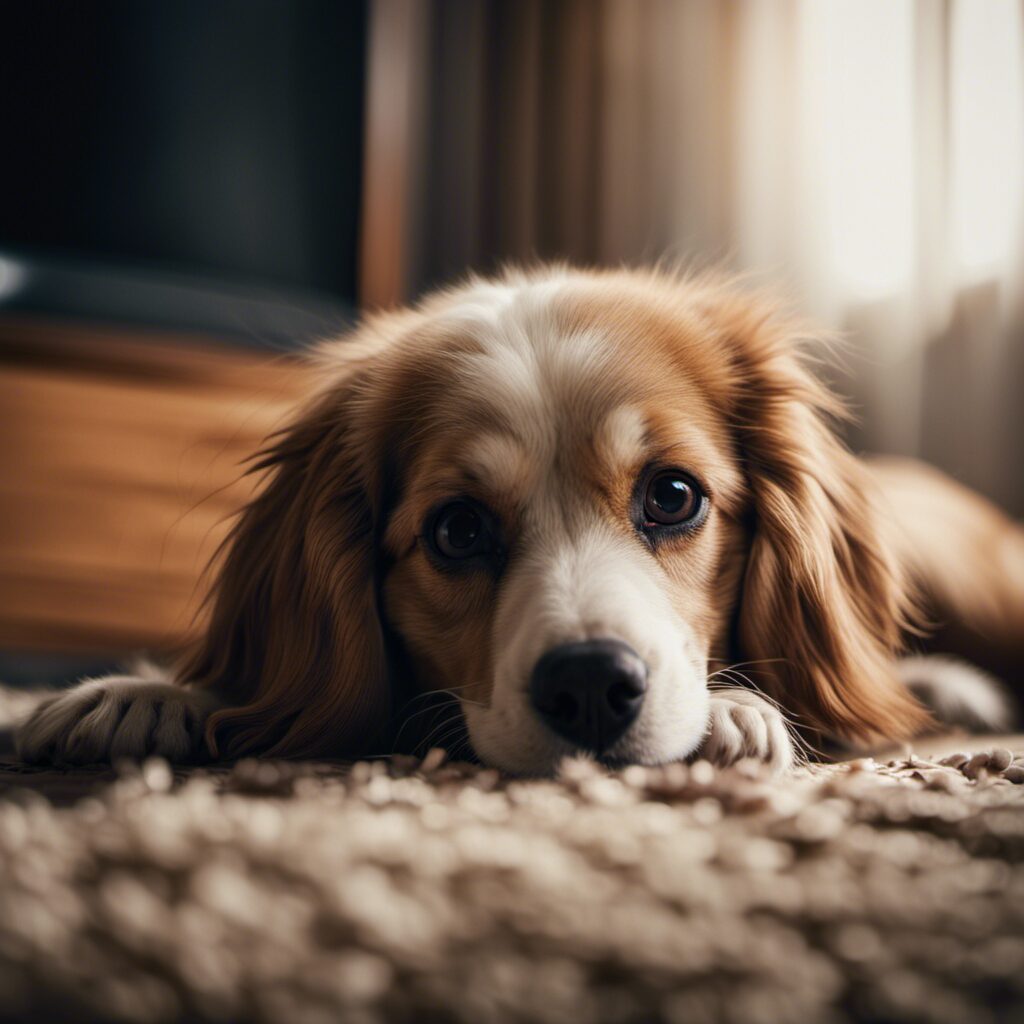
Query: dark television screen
[[219, 139]]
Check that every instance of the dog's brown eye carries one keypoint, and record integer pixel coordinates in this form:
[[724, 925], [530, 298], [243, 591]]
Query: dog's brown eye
[[460, 531], [671, 498]]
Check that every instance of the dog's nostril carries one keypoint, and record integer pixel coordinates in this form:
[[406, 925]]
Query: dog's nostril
[[589, 692], [622, 696]]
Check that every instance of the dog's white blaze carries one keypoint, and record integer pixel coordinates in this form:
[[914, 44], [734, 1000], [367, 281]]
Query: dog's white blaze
[[572, 576], [620, 438], [528, 370], [501, 463], [485, 300]]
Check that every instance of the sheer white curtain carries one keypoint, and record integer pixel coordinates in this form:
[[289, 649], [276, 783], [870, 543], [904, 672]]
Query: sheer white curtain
[[893, 198], [869, 155]]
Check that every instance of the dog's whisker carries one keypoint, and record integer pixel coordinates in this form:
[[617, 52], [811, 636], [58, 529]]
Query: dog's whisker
[[732, 673], [474, 703], [456, 730], [755, 661], [450, 699], [439, 709], [437, 706], [803, 747], [464, 751], [442, 707], [427, 694], [431, 739]]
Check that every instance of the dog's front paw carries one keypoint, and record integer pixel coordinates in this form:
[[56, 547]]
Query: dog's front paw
[[958, 693], [742, 724], [119, 716]]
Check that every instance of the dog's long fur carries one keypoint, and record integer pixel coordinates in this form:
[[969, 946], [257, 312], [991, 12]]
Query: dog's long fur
[[813, 569]]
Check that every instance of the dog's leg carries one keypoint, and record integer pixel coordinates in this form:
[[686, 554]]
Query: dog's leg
[[117, 716], [957, 693], [744, 724]]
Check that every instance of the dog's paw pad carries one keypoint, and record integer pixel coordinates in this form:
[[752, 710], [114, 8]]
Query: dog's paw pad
[[746, 726], [104, 719]]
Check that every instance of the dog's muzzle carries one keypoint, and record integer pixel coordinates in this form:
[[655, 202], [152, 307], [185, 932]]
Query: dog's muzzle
[[589, 692]]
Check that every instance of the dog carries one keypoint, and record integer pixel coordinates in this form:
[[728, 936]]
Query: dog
[[604, 512]]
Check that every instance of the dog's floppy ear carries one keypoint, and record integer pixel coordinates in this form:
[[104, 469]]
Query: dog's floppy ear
[[824, 602], [294, 647]]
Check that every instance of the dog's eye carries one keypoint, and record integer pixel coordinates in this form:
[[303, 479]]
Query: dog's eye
[[460, 531], [671, 498]]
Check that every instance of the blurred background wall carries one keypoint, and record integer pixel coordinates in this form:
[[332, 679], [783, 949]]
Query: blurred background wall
[[193, 190]]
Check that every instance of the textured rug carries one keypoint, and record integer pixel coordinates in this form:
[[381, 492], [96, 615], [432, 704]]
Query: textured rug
[[427, 891]]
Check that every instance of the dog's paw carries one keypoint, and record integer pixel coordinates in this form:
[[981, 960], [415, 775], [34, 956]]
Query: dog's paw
[[958, 693], [119, 716], [742, 724]]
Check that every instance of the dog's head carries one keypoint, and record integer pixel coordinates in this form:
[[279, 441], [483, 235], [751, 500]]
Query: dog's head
[[562, 495]]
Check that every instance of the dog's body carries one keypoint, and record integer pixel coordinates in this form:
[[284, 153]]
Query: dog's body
[[566, 498]]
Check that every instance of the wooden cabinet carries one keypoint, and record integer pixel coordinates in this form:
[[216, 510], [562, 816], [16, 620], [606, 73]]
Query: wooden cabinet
[[121, 465]]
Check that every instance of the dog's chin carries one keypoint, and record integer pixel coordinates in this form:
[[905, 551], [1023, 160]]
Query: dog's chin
[[532, 750]]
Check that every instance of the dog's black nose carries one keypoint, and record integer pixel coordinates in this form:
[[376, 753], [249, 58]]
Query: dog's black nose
[[589, 692]]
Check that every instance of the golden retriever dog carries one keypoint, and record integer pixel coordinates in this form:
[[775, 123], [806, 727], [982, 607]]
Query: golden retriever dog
[[603, 512]]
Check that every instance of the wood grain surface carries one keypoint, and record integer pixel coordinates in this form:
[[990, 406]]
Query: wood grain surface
[[121, 460]]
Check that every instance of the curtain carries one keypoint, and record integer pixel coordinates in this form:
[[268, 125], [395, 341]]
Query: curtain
[[863, 157]]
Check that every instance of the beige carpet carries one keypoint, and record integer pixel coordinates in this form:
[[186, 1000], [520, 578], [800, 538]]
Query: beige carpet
[[397, 891]]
